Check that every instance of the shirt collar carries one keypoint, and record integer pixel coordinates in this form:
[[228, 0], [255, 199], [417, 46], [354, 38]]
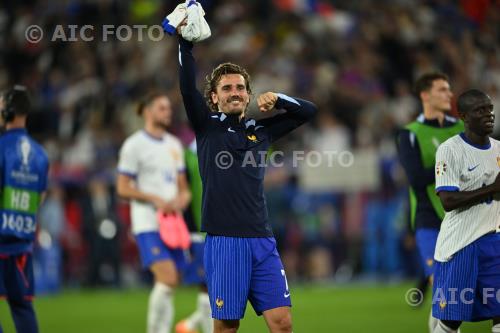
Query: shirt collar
[[16, 131], [448, 121], [234, 120], [475, 145]]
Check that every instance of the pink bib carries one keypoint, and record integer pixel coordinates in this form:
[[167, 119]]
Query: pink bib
[[173, 230]]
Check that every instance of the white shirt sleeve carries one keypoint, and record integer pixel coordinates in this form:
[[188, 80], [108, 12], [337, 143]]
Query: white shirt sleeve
[[181, 163], [447, 170], [128, 162]]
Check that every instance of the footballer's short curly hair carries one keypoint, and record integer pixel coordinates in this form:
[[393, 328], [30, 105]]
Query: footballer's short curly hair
[[147, 100], [213, 79]]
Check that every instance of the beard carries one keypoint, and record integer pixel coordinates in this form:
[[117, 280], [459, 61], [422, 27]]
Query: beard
[[165, 124], [233, 111], [236, 112]]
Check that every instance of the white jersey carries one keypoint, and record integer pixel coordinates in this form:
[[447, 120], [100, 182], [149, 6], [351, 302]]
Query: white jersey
[[463, 166], [154, 164]]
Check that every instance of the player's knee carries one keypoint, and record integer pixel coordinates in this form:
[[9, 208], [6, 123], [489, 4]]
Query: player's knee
[[19, 304], [283, 323], [171, 280], [165, 274], [226, 326], [21, 309], [166, 277]]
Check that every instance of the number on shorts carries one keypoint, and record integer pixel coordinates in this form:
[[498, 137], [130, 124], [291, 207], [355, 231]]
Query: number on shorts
[[284, 275]]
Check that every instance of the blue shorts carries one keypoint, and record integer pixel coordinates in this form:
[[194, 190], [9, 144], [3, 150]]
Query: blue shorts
[[241, 269], [152, 249], [467, 288], [195, 272], [16, 277], [426, 239]]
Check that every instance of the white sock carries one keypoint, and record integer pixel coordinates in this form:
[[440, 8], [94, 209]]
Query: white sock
[[442, 328], [432, 322], [203, 305], [496, 328], [193, 320], [161, 309]]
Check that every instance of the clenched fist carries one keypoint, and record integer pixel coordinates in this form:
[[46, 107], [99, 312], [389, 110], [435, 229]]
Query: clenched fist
[[266, 101]]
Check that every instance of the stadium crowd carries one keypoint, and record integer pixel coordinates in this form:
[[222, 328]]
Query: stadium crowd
[[356, 60]]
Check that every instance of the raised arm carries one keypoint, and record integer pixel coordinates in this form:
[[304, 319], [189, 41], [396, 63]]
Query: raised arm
[[297, 112], [194, 103]]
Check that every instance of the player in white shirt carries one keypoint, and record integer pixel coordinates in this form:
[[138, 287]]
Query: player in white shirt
[[151, 175], [467, 276]]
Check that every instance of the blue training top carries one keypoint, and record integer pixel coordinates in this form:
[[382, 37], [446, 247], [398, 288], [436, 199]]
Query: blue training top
[[232, 155], [23, 178]]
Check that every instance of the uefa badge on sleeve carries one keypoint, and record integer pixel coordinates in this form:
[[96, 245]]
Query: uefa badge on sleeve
[[440, 168]]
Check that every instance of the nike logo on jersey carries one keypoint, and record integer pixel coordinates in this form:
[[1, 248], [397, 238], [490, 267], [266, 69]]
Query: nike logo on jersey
[[231, 130], [470, 169], [287, 294]]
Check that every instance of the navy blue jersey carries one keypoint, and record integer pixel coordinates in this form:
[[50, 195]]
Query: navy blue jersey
[[231, 154], [23, 178]]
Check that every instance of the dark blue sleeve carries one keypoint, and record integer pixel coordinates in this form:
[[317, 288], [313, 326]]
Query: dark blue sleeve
[[298, 112], [409, 156], [194, 103]]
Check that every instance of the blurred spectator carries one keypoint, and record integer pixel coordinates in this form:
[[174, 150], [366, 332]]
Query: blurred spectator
[[48, 257], [101, 231]]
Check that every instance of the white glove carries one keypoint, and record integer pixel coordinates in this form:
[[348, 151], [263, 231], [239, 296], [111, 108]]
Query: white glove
[[172, 20]]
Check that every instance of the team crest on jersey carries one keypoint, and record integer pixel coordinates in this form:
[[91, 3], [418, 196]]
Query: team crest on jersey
[[155, 250], [252, 137], [442, 305], [219, 302], [441, 168], [175, 154]]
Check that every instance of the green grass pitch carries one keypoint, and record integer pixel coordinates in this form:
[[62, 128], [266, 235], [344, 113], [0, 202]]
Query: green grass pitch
[[315, 309]]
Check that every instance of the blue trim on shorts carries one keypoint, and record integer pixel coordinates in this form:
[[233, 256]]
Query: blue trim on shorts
[[152, 249]]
